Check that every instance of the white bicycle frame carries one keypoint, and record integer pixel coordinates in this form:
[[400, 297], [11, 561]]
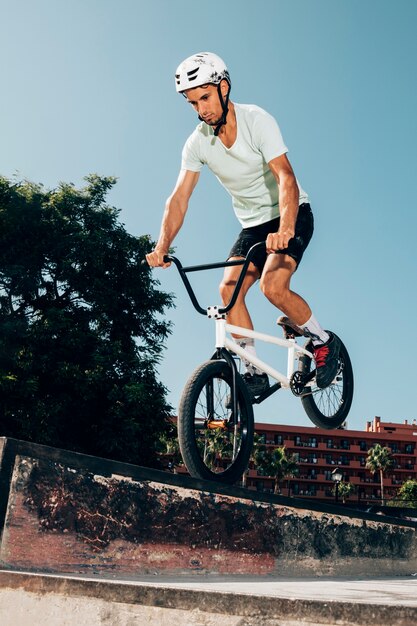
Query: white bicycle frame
[[294, 350], [222, 327]]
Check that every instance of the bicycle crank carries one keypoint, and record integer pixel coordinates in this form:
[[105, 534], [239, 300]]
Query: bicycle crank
[[299, 381]]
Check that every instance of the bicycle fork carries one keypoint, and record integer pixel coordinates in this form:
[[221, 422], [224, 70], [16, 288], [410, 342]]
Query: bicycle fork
[[223, 353]]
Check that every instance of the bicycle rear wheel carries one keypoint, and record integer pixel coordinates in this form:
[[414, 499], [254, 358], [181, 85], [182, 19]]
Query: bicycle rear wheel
[[329, 407], [215, 444]]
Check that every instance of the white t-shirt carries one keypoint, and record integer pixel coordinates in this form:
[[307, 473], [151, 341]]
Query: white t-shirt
[[243, 169]]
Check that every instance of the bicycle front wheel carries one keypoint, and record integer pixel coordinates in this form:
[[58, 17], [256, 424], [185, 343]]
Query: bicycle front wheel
[[329, 407], [215, 444]]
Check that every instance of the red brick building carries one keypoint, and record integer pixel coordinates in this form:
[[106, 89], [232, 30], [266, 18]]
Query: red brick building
[[320, 451]]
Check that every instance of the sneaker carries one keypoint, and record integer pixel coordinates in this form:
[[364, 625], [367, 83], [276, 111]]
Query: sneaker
[[326, 356], [255, 384]]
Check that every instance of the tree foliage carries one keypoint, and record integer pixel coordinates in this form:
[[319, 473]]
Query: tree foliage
[[343, 490], [408, 493], [276, 463], [81, 324], [379, 460]]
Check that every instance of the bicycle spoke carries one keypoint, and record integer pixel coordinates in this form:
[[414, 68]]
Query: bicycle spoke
[[220, 444]]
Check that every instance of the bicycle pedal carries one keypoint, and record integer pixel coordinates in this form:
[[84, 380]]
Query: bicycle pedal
[[290, 329]]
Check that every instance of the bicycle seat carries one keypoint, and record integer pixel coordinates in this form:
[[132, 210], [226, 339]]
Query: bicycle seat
[[290, 329]]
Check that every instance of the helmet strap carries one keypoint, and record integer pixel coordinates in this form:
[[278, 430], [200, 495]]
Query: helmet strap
[[225, 107]]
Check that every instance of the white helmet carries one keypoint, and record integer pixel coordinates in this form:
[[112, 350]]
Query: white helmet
[[200, 69]]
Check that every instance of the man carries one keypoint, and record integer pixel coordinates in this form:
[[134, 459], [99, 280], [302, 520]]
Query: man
[[243, 146]]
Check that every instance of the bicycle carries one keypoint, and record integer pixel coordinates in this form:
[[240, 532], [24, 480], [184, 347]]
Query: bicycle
[[215, 416]]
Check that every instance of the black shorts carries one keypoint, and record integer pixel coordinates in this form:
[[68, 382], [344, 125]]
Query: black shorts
[[304, 228]]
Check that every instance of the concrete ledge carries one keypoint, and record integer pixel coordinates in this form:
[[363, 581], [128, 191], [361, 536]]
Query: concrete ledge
[[57, 601], [66, 513]]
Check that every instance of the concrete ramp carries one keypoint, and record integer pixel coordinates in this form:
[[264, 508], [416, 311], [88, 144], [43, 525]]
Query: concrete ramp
[[62, 512]]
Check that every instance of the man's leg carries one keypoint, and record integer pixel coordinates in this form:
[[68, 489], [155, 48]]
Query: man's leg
[[239, 315], [256, 381], [275, 284]]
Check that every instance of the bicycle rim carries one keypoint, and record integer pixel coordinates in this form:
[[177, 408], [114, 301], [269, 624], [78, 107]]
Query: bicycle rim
[[329, 407], [215, 444]]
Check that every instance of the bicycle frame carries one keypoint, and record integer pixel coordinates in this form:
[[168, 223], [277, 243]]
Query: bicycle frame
[[216, 410], [224, 343], [294, 350]]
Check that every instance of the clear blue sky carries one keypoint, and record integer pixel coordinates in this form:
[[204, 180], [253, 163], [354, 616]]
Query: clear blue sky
[[87, 86]]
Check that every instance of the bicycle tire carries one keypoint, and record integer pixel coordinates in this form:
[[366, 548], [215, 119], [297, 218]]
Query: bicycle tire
[[329, 407], [211, 447]]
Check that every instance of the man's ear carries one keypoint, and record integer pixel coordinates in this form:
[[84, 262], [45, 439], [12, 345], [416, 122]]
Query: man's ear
[[224, 87]]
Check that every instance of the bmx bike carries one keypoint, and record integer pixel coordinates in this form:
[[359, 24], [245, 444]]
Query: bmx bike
[[215, 415]]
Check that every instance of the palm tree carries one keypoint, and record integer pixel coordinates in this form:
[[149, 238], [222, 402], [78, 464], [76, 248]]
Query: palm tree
[[276, 463], [256, 444], [216, 447], [379, 460]]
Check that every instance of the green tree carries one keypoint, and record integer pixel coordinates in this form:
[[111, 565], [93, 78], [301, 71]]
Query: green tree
[[276, 463], [81, 325], [379, 460], [168, 445], [408, 493], [216, 446], [343, 490], [252, 458]]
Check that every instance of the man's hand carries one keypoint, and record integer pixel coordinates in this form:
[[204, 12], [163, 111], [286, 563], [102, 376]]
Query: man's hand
[[156, 258], [279, 240]]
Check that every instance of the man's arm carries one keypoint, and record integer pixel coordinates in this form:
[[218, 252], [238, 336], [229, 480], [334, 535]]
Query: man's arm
[[173, 218], [288, 203]]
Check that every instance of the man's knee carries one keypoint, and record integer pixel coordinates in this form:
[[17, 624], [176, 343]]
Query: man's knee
[[228, 284], [226, 287], [274, 290]]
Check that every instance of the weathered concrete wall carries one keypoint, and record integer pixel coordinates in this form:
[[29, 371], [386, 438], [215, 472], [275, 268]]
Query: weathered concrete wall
[[65, 520]]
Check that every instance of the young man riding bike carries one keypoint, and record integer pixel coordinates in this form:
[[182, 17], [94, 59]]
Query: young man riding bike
[[243, 146]]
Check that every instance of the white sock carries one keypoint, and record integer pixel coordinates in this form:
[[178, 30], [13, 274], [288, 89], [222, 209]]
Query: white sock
[[313, 329], [249, 345]]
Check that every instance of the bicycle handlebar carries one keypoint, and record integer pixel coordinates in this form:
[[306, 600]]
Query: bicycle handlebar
[[196, 268]]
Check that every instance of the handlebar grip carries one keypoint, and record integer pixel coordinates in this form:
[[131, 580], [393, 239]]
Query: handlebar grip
[[167, 259]]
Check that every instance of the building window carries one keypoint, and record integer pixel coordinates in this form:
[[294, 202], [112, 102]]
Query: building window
[[297, 440], [312, 442], [409, 448], [279, 440], [362, 446], [330, 443]]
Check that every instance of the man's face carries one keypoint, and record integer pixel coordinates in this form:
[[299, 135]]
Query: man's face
[[205, 100]]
